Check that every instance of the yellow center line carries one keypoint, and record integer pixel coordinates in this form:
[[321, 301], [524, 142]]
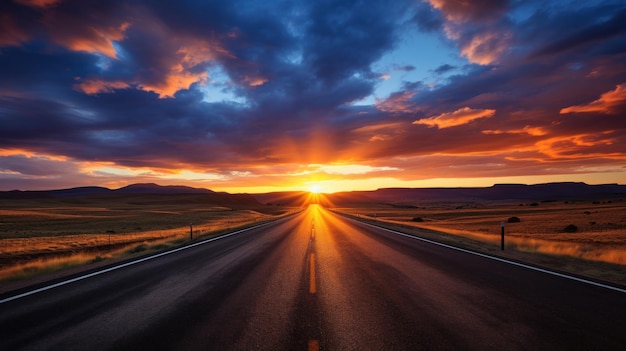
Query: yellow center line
[[312, 285], [314, 345]]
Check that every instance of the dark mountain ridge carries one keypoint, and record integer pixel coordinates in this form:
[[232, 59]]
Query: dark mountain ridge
[[148, 194], [152, 188], [499, 192], [537, 192], [89, 191]]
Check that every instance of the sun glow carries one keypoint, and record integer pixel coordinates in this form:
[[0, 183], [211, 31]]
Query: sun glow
[[315, 188]]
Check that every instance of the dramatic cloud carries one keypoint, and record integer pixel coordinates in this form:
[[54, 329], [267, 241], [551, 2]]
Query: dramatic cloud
[[461, 11], [91, 87], [608, 102], [459, 117], [478, 27], [242, 96]]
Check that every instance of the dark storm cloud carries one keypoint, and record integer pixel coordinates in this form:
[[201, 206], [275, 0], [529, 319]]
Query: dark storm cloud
[[344, 37], [427, 18], [89, 26], [592, 35]]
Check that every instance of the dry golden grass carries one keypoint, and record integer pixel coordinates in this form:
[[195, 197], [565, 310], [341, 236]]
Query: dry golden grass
[[38, 237], [539, 237]]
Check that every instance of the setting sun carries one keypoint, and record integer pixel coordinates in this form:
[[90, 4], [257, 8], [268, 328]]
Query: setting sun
[[315, 188]]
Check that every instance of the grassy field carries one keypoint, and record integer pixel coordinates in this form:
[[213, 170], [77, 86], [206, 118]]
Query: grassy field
[[586, 238], [43, 236]]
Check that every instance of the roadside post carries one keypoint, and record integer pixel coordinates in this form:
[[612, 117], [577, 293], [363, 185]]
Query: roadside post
[[191, 231], [502, 236]]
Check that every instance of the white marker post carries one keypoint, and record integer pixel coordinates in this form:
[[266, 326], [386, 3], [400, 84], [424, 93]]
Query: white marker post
[[502, 241]]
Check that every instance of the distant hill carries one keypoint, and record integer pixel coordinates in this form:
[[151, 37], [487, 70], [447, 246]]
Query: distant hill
[[151, 188], [54, 194], [147, 194], [141, 188], [537, 192], [499, 192]]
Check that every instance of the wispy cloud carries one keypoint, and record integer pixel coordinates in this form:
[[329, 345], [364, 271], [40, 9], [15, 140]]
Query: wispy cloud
[[459, 117], [608, 102]]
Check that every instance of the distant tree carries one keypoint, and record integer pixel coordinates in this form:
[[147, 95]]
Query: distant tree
[[418, 219], [514, 220], [570, 229]]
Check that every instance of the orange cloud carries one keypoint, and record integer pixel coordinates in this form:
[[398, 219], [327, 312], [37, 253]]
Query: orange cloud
[[96, 86], [349, 169], [576, 146], [459, 117], [177, 79], [381, 132], [93, 40], [177, 72], [533, 131], [482, 46], [196, 51], [607, 103], [485, 48], [463, 11], [255, 81], [454, 16], [29, 154]]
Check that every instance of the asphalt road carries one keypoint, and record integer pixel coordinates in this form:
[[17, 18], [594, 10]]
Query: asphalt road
[[317, 281]]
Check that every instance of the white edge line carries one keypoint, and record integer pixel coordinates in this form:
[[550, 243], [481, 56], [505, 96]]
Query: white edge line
[[590, 282], [123, 265]]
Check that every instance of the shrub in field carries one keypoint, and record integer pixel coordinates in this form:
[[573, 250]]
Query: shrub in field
[[570, 229], [418, 219], [514, 220], [138, 248]]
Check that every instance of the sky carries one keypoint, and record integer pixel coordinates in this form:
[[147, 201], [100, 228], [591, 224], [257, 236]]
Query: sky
[[259, 96]]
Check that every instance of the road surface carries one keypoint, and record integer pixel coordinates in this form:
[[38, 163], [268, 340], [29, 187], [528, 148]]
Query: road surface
[[313, 281]]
